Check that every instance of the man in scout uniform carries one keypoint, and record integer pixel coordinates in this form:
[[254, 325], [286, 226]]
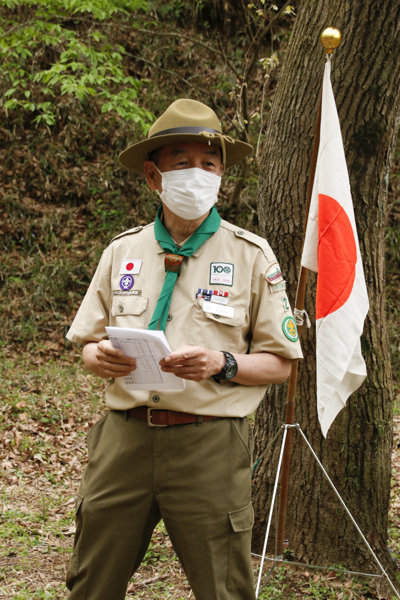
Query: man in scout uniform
[[182, 456]]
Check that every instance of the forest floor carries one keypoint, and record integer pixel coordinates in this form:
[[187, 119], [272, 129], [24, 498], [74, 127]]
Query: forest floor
[[47, 407]]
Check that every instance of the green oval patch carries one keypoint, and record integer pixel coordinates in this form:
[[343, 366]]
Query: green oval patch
[[289, 328]]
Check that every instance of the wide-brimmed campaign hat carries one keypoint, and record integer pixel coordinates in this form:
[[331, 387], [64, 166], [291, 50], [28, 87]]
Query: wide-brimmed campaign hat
[[185, 121]]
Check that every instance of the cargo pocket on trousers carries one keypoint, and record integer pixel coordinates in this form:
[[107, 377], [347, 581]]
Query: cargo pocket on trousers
[[74, 563], [240, 569]]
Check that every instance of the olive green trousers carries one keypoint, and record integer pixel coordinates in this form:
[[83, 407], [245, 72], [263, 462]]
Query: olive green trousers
[[195, 477]]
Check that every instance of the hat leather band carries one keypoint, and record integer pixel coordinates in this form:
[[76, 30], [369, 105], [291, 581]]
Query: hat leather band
[[192, 130]]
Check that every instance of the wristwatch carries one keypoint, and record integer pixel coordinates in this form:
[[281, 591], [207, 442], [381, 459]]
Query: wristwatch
[[229, 369]]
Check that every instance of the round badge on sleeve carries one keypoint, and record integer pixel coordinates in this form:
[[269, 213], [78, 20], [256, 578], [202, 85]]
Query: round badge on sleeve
[[126, 282], [290, 329]]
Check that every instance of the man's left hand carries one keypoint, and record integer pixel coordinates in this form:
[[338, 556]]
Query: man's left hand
[[193, 362]]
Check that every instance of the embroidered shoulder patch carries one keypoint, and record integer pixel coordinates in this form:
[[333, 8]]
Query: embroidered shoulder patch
[[277, 287], [289, 328], [274, 274]]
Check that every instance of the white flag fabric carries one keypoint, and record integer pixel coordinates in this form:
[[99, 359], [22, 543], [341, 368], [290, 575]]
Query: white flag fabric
[[331, 248]]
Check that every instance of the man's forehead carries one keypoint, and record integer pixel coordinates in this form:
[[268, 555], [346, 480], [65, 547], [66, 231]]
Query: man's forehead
[[182, 148]]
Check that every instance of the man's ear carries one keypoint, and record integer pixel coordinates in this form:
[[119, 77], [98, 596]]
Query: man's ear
[[152, 177]]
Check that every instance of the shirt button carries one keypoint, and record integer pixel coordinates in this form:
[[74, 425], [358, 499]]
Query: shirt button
[[240, 232], [156, 398], [121, 308], [217, 316], [169, 318]]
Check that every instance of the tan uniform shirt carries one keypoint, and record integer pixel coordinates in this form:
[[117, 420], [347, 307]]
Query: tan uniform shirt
[[232, 260]]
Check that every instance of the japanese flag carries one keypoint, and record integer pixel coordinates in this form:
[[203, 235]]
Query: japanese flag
[[331, 248]]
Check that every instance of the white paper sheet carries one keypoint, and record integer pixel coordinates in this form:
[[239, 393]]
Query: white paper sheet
[[148, 347]]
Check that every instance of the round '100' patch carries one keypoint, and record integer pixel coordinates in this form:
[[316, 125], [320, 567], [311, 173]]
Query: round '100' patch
[[289, 328], [126, 282]]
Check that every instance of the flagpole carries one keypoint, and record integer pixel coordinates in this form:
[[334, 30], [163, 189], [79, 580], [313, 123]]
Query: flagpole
[[330, 39]]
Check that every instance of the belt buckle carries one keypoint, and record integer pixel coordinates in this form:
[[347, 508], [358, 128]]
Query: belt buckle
[[150, 422]]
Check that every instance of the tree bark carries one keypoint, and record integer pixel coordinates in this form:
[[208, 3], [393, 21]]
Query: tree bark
[[357, 451]]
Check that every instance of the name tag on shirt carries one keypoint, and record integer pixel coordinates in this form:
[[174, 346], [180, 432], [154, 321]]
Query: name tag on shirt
[[130, 266], [217, 309], [129, 293]]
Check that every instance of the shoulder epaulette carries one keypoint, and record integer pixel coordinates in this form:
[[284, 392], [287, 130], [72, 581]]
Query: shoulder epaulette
[[130, 232], [252, 238]]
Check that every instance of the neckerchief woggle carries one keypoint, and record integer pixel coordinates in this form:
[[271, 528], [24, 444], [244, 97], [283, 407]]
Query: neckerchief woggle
[[202, 233]]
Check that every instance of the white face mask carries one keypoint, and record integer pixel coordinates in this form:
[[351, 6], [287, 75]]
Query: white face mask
[[189, 193]]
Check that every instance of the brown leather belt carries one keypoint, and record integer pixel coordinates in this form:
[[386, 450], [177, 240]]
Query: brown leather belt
[[163, 418]]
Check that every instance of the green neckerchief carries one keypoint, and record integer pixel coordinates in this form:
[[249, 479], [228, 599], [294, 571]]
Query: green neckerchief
[[202, 233]]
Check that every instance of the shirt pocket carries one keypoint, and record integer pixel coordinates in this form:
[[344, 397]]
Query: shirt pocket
[[214, 331], [129, 311]]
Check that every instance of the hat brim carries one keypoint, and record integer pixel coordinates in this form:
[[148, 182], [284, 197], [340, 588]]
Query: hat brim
[[134, 157]]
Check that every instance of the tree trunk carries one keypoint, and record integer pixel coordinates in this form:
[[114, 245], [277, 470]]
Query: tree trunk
[[357, 452]]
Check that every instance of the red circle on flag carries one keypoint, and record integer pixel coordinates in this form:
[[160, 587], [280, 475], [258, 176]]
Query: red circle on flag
[[129, 267], [337, 256]]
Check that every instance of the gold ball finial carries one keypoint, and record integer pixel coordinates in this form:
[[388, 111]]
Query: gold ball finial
[[330, 39]]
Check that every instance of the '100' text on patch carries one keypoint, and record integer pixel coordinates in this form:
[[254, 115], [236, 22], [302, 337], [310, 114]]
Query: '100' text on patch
[[221, 273]]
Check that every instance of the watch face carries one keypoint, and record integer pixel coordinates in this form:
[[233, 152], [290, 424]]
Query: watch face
[[231, 371]]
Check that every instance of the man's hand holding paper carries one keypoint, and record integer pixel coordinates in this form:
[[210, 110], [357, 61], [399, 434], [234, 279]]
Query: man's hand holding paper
[[106, 361]]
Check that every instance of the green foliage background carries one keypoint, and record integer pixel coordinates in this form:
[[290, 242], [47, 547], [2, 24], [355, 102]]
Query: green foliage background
[[62, 47], [80, 81]]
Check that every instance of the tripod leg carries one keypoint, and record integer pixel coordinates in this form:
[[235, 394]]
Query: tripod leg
[[271, 509]]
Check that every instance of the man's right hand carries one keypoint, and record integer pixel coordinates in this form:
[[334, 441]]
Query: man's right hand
[[106, 361]]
